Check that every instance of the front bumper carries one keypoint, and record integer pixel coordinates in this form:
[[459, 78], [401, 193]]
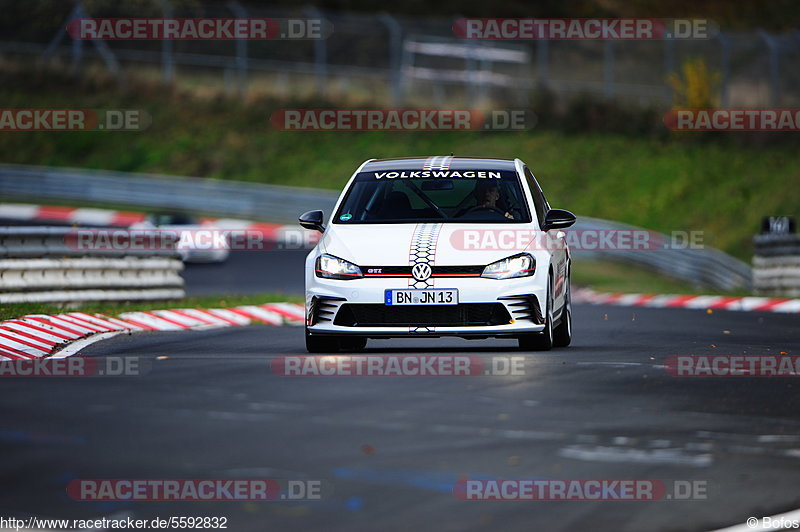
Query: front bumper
[[487, 308]]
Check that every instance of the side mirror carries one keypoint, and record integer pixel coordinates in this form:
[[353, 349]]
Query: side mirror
[[312, 220], [558, 219]]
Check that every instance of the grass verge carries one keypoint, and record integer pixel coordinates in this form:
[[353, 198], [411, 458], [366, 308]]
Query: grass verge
[[672, 183], [606, 276]]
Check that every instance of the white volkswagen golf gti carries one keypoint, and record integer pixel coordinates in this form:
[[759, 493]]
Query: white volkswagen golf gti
[[439, 246]]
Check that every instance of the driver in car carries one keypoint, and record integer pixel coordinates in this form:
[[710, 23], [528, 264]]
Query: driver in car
[[487, 194]]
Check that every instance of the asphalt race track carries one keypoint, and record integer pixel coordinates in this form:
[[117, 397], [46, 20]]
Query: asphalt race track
[[391, 448], [248, 272]]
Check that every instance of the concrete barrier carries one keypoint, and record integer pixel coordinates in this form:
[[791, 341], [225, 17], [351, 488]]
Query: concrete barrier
[[37, 265]]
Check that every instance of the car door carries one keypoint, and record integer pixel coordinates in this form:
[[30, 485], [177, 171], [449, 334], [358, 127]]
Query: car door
[[555, 240]]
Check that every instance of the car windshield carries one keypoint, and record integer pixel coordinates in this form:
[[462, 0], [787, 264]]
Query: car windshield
[[453, 196]]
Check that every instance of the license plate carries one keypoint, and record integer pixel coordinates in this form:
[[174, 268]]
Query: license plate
[[421, 297]]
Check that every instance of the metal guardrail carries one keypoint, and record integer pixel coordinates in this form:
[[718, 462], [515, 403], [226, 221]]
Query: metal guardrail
[[38, 264], [702, 267], [706, 267], [48, 241], [210, 196], [776, 265]]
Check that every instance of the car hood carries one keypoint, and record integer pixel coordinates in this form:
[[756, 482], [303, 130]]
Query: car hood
[[390, 244]]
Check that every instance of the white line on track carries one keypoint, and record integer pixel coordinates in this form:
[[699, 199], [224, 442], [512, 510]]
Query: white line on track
[[76, 346]]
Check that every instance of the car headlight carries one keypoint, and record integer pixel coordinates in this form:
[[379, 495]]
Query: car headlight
[[521, 265], [331, 267]]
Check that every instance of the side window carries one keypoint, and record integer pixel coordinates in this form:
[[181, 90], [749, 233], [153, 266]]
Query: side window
[[539, 203]]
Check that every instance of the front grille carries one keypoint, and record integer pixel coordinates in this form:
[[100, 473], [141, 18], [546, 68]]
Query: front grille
[[437, 271], [444, 271], [377, 315]]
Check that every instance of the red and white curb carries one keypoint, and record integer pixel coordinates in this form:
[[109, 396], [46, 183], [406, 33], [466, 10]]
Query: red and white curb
[[110, 218], [288, 234], [72, 215], [39, 335], [744, 303]]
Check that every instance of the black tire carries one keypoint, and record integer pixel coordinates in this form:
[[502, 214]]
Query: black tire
[[321, 344], [542, 341], [353, 343], [562, 335]]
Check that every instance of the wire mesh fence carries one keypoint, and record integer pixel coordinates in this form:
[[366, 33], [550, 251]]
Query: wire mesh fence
[[387, 58]]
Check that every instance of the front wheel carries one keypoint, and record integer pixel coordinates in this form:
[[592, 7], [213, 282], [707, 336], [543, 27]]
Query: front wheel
[[321, 344], [562, 336], [353, 343]]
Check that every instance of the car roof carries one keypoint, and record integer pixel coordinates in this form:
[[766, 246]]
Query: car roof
[[440, 162]]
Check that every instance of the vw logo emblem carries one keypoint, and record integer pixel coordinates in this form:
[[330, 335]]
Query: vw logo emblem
[[421, 271]]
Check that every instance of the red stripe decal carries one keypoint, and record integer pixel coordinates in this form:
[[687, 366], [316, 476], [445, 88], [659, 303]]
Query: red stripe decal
[[187, 315], [17, 352], [80, 323], [13, 355], [282, 312], [40, 329], [772, 303], [86, 318], [181, 325], [248, 315], [24, 342], [679, 301], [58, 326], [52, 212], [140, 324], [724, 302], [226, 320]]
